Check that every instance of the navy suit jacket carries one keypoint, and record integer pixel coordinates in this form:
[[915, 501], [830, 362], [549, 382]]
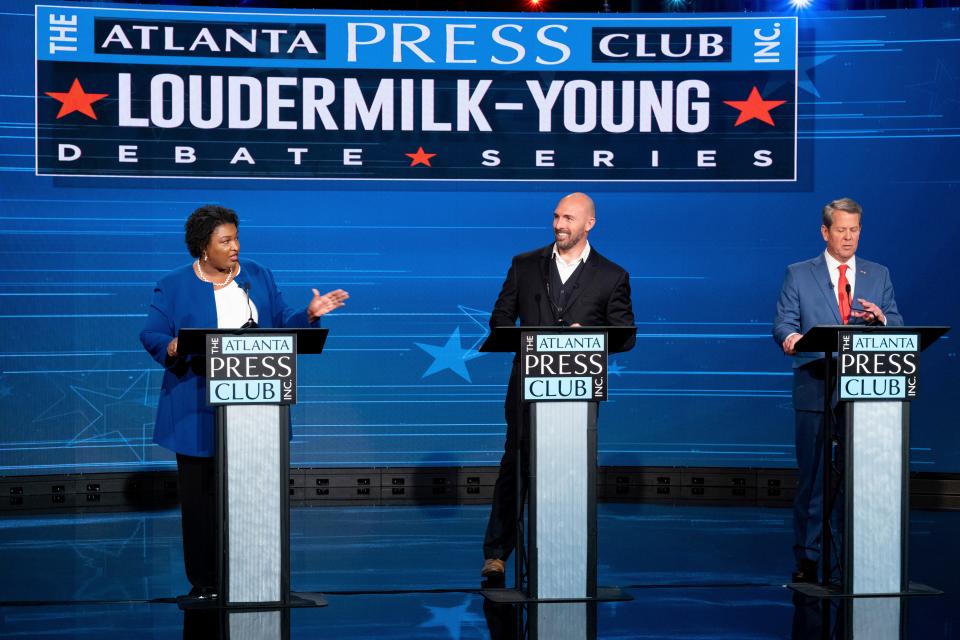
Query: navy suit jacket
[[807, 300], [184, 421]]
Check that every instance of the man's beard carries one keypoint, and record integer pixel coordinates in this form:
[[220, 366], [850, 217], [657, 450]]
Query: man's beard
[[569, 243]]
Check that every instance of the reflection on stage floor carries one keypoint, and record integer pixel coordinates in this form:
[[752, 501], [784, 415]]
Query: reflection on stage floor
[[412, 572]]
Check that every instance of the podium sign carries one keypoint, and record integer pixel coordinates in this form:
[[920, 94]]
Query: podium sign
[[880, 366], [876, 375], [557, 555], [252, 380], [251, 369], [563, 366], [562, 375]]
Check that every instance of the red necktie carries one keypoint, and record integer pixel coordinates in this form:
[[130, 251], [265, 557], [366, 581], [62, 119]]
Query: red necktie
[[842, 295]]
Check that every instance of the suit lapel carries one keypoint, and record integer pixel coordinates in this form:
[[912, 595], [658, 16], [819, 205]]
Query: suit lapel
[[864, 283], [544, 266], [586, 277], [203, 302], [821, 275]]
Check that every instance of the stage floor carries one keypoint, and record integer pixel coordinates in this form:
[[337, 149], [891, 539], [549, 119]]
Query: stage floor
[[412, 572]]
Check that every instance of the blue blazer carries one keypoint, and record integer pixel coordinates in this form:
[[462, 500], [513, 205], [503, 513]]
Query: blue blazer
[[807, 300], [184, 421]]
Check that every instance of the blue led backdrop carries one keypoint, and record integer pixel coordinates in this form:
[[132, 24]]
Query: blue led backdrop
[[400, 384]]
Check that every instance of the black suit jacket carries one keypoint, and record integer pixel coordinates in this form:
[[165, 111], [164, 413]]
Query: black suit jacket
[[601, 297]]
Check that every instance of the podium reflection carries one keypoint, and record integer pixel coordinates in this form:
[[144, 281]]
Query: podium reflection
[[849, 618], [221, 624], [541, 621]]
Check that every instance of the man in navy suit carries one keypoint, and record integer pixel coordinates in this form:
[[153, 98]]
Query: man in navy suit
[[566, 283], [833, 288]]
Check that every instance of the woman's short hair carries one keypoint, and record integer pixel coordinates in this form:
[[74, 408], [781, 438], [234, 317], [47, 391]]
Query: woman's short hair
[[202, 222]]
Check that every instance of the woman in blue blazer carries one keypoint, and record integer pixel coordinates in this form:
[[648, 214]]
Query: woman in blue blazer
[[216, 290]]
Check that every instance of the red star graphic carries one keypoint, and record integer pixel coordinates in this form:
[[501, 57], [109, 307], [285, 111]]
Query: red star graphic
[[754, 107], [420, 157], [76, 100]]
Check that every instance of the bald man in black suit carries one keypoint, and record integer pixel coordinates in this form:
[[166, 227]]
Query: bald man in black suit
[[566, 283]]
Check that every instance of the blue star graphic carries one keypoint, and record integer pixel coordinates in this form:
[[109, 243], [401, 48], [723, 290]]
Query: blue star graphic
[[805, 64], [614, 368], [452, 619], [450, 356], [115, 408], [481, 319], [99, 409], [804, 81], [941, 88]]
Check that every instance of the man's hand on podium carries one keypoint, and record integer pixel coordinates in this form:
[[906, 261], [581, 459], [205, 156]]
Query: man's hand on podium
[[871, 313], [790, 344], [172, 348], [323, 304]]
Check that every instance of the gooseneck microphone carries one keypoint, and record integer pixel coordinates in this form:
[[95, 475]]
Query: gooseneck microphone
[[250, 323]]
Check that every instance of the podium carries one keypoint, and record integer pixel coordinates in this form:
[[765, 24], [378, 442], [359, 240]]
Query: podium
[[562, 381], [877, 370], [251, 379]]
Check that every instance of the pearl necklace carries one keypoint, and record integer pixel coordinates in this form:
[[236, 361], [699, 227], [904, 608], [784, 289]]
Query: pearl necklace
[[203, 277]]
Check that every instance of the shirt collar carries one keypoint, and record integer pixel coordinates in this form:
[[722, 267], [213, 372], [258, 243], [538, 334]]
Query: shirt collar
[[833, 263], [583, 256]]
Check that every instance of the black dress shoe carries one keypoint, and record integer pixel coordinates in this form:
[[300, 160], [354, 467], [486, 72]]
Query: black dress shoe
[[494, 582], [806, 572]]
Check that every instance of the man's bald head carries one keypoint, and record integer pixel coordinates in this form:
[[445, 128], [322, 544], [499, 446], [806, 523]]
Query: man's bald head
[[580, 200], [573, 219]]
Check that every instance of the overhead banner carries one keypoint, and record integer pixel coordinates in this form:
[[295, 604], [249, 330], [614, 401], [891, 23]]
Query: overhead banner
[[414, 96]]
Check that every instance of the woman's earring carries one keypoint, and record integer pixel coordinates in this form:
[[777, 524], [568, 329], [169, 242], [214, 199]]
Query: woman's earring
[[204, 256]]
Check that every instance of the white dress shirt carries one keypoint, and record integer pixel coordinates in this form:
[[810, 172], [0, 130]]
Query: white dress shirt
[[565, 268], [833, 267], [232, 309]]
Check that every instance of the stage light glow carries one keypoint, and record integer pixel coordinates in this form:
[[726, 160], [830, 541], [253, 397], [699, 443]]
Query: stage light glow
[[800, 5]]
